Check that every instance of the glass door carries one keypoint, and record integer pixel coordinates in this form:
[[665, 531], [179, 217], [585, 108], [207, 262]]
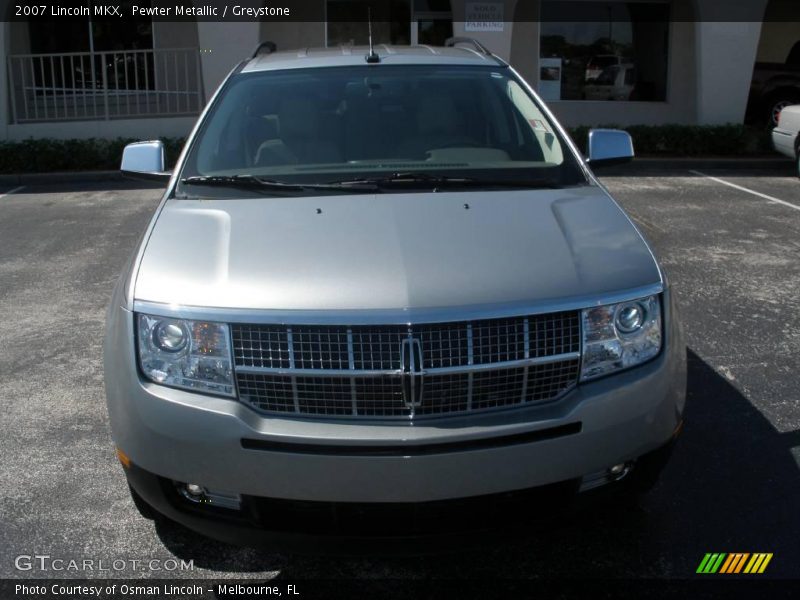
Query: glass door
[[431, 29]]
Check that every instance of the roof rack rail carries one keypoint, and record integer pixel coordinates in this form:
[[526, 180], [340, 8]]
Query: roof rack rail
[[265, 46], [453, 41]]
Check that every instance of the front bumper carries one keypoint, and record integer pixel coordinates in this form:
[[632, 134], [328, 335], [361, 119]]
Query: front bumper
[[393, 528], [225, 446], [784, 142]]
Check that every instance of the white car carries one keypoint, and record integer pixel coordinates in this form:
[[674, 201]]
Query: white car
[[786, 135], [597, 64], [616, 82]]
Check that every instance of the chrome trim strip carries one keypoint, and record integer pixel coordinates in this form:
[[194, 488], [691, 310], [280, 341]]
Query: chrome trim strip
[[527, 338], [351, 364], [417, 372], [411, 400], [498, 366], [256, 316], [470, 362], [407, 349], [295, 395], [510, 364]]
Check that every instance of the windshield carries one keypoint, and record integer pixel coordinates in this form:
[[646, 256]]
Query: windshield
[[412, 124]]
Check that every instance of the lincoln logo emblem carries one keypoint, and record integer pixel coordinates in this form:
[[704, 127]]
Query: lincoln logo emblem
[[411, 361]]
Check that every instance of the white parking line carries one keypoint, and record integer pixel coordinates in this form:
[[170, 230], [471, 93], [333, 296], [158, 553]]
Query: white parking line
[[14, 191], [749, 191]]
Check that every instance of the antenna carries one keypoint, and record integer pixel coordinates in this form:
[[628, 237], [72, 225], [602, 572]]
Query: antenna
[[371, 57]]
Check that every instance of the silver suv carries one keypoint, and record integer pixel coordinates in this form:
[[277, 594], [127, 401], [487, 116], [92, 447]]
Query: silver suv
[[379, 284]]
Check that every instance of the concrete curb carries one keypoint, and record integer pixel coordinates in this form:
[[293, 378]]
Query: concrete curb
[[55, 178], [647, 164], [638, 165]]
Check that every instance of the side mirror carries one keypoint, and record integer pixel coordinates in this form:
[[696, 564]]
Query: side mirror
[[609, 147], [144, 160]]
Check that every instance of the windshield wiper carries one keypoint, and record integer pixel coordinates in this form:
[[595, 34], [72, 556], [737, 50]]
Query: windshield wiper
[[257, 183], [440, 181], [366, 185]]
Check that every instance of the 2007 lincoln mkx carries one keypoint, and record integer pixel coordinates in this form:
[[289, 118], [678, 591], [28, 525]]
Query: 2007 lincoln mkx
[[382, 287]]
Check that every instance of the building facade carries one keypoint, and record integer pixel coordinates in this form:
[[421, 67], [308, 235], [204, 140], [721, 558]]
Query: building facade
[[594, 61]]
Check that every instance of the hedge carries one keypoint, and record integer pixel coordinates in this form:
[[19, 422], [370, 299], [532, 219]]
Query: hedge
[[690, 140], [49, 155]]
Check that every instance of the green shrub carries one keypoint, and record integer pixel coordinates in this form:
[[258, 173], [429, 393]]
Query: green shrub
[[49, 155], [690, 140]]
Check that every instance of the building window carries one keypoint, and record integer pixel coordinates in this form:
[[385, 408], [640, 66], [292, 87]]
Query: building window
[[393, 22], [87, 35], [432, 22], [617, 51]]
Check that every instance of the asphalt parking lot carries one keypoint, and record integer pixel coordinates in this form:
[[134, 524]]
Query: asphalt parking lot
[[733, 484]]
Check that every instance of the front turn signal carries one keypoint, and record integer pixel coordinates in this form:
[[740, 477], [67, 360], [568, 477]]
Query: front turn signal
[[123, 459]]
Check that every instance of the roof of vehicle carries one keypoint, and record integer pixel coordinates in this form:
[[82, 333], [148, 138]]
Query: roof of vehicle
[[307, 58]]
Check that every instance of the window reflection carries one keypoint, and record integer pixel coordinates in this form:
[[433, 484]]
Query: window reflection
[[348, 26], [393, 22], [618, 51]]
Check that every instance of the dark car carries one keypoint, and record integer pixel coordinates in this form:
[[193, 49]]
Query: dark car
[[774, 87]]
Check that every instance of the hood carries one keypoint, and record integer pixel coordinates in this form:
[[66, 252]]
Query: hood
[[393, 251]]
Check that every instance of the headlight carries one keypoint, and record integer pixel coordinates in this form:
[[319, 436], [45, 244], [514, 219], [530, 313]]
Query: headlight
[[618, 336], [189, 354]]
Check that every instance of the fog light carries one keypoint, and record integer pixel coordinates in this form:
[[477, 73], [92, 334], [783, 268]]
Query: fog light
[[197, 494], [606, 476], [619, 471], [194, 490]]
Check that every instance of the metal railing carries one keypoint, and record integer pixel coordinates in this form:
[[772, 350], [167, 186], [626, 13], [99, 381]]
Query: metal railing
[[121, 84]]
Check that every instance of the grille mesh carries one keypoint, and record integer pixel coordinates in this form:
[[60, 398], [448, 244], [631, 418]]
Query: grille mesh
[[268, 392], [261, 346], [382, 397], [320, 347], [378, 348]]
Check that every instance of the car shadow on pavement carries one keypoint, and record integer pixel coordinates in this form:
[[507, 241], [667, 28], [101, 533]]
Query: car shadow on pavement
[[732, 485]]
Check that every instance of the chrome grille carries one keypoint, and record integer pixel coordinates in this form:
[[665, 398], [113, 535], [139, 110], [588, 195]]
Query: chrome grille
[[319, 347], [273, 393], [359, 371], [445, 345], [264, 346], [377, 348], [442, 394]]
